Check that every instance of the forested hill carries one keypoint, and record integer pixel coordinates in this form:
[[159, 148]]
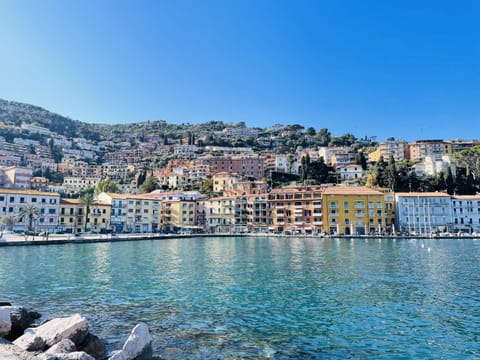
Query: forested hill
[[16, 113]]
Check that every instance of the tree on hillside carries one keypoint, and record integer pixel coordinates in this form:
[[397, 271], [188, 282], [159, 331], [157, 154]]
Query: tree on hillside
[[449, 181], [470, 160], [391, 176], [305, 166], [150, 184], [141, 178], [207, 187], [361, 160], [320, 172], [324, 137], [106, 185]]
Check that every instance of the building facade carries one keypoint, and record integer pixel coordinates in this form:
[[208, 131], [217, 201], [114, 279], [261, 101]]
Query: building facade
[[357, 210], [425, 213]]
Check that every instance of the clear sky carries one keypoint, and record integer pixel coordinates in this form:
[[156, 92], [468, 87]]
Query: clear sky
[[407, 69]]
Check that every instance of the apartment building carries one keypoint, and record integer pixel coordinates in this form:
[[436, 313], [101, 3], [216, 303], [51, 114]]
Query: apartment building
[[466, 213], [257, 215], [178, 214], [285, 163], [419, 149], [433, 165], [423, 213], [397, 149], [142, 214], [328, 153], [12, 201], [118, 210], [219, 214], [349, 172], [295, 210], [99, 216], [223, 181], [357, 210], [71, 216], [75, 184], [15, 177], [248, 165]]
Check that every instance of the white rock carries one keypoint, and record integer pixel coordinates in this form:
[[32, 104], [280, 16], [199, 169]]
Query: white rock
[[76, 355], [5, 355], [5, 321], [138, 345], [62, 347], [74, 328]]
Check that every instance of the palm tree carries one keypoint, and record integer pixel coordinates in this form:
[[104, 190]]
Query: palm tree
[[87, 201], [31, 212]]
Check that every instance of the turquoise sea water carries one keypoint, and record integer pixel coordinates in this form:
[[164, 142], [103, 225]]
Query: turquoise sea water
[[260, 298]]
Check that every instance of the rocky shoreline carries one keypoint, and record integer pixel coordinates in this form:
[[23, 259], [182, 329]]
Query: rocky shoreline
[[63, 338]]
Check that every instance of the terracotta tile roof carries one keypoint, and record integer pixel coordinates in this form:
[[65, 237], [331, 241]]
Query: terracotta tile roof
[[351, 190], [28, 192]]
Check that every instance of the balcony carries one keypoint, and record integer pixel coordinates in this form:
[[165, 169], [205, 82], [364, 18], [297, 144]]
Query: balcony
[[333, 215]]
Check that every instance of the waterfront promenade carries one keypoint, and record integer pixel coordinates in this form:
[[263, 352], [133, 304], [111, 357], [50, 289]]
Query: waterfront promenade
[[14, 239]]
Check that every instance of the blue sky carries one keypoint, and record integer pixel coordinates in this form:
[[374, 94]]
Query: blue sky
[[407, 69]]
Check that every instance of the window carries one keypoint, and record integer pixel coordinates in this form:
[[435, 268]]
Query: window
[[22, 200], [2, 198]]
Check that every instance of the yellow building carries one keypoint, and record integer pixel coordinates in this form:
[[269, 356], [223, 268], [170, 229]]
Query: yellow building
[[178, 214], [71, 217], [357, 210], [142, 213], [220, 214], [99, 216]]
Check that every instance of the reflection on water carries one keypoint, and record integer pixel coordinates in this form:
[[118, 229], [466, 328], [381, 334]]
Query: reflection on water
[[282, 298]]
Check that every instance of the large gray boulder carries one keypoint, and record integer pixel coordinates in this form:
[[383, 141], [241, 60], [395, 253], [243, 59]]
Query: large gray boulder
[[137, 347], [13, 321], [62, 347], [94, 346], [74, 327], [64, 350], [76, 355], [5, 321], [8, 351]]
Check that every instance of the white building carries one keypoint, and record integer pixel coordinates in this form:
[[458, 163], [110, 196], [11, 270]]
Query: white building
[[15, 177], [466, 213], [185, 150], [423, 213], [350, 171], [433, 165], [12, 202]]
